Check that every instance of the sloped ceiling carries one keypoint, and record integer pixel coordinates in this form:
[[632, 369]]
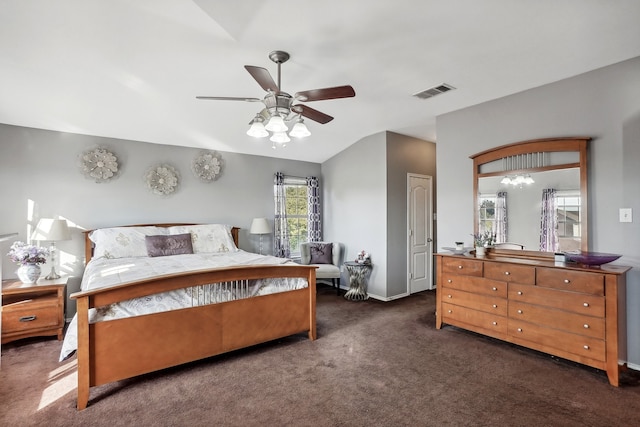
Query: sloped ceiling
[[132, 69]]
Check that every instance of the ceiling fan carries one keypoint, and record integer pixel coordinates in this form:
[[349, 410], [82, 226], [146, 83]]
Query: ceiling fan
[[280, 107]]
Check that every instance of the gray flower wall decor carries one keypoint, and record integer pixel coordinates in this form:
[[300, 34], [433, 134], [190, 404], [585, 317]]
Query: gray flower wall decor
[[98, 164], [207, 166], [162, 179]]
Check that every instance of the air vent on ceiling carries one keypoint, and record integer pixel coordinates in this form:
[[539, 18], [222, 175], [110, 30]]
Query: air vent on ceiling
[[436, 90]]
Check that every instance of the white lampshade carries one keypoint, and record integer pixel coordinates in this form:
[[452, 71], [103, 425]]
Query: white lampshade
[[260, 226], [51, 230], [280, 138], [276, 124], [299, 130], [257, 130]]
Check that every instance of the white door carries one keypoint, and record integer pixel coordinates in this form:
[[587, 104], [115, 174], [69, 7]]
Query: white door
[[420, 222]]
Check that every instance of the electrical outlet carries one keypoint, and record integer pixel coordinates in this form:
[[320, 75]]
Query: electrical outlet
[[626, 215]]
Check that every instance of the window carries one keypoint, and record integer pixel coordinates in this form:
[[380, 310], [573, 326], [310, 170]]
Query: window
[[568, 214], [487, 212], [296, 194]]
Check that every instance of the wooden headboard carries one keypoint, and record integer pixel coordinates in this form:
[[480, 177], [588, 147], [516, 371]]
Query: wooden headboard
[[88, 244]]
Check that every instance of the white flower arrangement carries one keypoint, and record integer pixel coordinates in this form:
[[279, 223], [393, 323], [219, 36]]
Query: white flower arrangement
[[23, 254], [363, 257]]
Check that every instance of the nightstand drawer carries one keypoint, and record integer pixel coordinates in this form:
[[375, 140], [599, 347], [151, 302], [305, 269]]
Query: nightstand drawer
[[30, 317]]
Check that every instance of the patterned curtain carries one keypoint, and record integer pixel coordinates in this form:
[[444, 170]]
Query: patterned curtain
[[281, 233], [314, 230], [501, 231], [549, 221]]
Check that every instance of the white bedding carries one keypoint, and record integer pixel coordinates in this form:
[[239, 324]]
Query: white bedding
[[105, 272]]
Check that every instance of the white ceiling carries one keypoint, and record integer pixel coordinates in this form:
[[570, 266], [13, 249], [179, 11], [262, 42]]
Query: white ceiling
[[132, 69]]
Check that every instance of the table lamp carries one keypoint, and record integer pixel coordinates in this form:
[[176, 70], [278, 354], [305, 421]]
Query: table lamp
[[260, 226], [52, 230]]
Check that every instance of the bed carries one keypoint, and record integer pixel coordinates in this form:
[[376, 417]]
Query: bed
[[238, 299]]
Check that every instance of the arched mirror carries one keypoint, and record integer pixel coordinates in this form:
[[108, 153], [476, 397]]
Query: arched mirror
[[534, 194]]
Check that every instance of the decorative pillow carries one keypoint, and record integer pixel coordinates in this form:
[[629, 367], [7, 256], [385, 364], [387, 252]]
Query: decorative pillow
[[122, 242], [321, 253], [163, 245], [208, 237]]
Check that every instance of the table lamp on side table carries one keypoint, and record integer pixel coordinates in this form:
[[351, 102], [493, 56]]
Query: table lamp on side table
[[260, 226], [52, 230]]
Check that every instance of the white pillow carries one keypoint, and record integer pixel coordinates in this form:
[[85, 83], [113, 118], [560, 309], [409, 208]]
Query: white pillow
[[123, 242], [208, 237]]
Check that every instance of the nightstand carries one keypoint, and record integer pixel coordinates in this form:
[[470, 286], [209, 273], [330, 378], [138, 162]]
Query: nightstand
[[33, 310]]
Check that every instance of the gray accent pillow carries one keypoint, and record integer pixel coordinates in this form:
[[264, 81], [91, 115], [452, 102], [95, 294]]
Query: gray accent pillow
[[174, 244], [321, 253]]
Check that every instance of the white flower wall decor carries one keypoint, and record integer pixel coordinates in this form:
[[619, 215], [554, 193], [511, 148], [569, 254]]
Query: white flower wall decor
[[98, 164], [207, 166], [162, 179]]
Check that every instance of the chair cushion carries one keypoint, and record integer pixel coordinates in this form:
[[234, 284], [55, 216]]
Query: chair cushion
[[321, 253], [327, 271]]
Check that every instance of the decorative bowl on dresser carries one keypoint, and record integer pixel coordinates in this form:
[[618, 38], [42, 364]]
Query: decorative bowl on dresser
[[33, 310], [571, 311]]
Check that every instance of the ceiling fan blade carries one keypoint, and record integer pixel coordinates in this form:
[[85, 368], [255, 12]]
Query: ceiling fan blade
[[229, 98], [312, 114], [326, 93], [263, 78]]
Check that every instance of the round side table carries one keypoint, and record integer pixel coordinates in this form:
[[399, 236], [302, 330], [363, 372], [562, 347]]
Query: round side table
[[358, 276]]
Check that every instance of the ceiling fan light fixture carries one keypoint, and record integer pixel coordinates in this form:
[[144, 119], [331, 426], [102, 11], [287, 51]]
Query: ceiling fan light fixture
[[276, 124], [280, 138], [299, 130], [257, 129]]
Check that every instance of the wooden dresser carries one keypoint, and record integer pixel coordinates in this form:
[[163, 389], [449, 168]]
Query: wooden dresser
[[573, 312]]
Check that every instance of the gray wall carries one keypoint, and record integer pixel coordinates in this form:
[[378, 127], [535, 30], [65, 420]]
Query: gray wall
[[404, 155], [365, 194], [39, 178], [603, 104]]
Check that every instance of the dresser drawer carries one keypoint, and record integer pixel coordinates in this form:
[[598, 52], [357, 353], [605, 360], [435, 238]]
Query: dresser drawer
[[510, 272], [490, 322], [558, 319], [478, 285], [30, 317], [462, 266], [591, 305], [568, 280], [580, 345], [484, 303]]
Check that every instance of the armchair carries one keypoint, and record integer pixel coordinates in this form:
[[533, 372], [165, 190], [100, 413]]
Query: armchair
[[327, 260]]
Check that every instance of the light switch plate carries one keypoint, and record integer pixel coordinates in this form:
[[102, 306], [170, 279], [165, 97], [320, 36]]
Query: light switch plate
[[626, 215]]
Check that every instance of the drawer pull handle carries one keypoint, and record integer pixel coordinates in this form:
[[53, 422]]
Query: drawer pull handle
[[450, 281], [519, 311], [460, 267], [507, 273], [494, 306], [586, 304], [567, 281], [28, 318], [494, 288], [494, 323], [449, 296], [586, 326], [519, 292], [586, 347], [519, 329], [450, 311]]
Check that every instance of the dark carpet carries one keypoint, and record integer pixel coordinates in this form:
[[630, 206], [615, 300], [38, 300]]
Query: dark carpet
[[373, 364]]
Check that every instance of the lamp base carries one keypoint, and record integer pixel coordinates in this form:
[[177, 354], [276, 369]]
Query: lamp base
[[52, 275]]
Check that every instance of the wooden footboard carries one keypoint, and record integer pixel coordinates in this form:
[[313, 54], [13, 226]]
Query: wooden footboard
[[117, 349]]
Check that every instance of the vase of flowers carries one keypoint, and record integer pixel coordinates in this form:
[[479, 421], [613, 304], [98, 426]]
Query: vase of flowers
[[29, 258], [482, 241]]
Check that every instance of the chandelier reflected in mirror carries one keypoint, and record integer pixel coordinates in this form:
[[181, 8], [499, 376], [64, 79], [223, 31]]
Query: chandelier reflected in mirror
[[517, 180]]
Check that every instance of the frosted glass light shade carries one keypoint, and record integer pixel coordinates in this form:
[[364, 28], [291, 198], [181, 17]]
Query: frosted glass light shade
[[276, 124], [280, 138], [257, 130], [299, 130]]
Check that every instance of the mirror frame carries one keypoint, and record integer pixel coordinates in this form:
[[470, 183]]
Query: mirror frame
[[568, 144]]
